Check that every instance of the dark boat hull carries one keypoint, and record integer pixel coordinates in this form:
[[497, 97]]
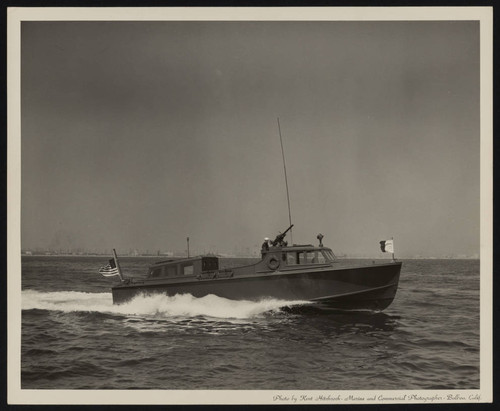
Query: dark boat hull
[[371, 287]]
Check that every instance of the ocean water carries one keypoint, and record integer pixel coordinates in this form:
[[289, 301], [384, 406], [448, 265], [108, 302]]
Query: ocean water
[[73, 337]]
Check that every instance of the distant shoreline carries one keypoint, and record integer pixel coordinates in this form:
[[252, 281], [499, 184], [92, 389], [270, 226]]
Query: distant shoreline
[[105, 256], [228, 257]]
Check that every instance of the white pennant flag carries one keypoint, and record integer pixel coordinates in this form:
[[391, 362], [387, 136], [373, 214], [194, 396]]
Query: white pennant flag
[[387, 246]]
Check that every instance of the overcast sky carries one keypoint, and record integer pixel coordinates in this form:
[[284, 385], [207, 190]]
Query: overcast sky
[[138, 134]]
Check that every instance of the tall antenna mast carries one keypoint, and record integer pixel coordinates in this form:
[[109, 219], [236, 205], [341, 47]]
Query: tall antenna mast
[[286, 181]]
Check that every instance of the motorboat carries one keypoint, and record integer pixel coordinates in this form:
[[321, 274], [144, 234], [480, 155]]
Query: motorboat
[[297, 272]]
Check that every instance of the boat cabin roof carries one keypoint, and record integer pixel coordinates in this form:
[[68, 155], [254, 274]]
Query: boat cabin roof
[[183, 266], [298, 247], [283, 256], [176, 260]]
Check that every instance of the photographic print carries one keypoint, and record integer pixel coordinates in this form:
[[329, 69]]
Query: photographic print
[[260, 206]]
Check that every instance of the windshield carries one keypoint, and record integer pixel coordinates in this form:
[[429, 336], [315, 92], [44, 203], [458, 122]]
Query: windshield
[[309, 257], [328, 255]]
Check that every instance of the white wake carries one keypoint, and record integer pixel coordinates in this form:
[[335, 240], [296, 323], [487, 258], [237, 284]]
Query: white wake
[[152, 305]]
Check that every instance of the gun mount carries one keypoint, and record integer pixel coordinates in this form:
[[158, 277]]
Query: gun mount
[[280, 237]]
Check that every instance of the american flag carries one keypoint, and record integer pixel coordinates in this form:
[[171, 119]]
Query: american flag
[[109, 270]]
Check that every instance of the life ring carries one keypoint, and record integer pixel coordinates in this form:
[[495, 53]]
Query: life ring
[[273, 263]]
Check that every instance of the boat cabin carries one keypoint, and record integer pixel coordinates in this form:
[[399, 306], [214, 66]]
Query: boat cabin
[[183, 267], [276, 258]]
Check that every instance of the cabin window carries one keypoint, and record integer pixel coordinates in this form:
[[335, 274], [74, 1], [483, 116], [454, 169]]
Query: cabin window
[[156, 273], [299, 257], [328, 255], [210, 264], [302, 258], [188, 269], [311, 257], [320, 258], [308, 257], [291, 258], [315, 257]]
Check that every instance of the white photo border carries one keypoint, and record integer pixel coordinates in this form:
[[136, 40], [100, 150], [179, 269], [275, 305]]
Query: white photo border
[[15, 15]]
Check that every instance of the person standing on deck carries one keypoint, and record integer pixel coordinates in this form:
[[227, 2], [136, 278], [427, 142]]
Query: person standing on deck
[[265, 245]]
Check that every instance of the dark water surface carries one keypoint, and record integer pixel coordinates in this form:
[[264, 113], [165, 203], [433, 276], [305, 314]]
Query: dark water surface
[[73, 337]]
